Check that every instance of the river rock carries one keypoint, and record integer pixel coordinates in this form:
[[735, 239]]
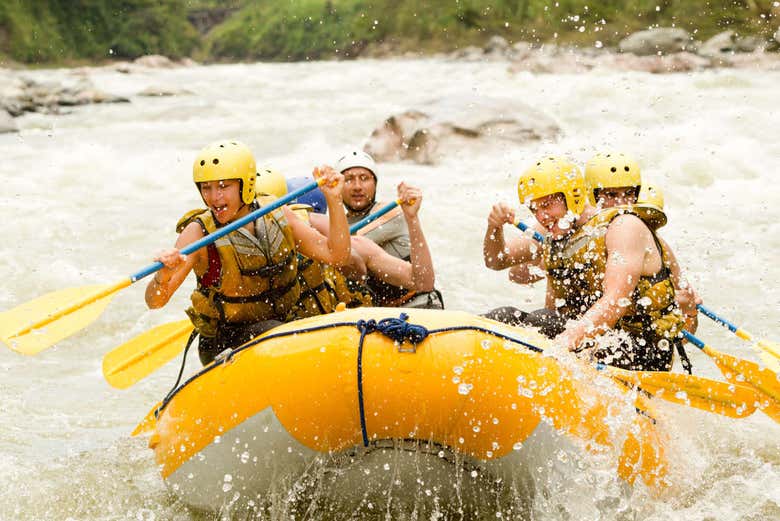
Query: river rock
[[664, 40], [164, 91], [724, 42], [777, 35], [496, 45], [449, 125], [7, 123], [19, 94], [155, 61]]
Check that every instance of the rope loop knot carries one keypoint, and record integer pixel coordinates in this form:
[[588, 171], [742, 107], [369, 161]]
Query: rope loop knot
[[400, 330]]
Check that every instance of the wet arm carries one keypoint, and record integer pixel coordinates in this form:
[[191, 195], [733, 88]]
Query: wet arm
[[167, 280], [626, 240]]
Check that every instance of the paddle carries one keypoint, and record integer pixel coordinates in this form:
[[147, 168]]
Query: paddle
[[733, 400], [41, 323], [523, 227], [142, 355], [373, 217], [739, 371], [762, 379], [770, 351]]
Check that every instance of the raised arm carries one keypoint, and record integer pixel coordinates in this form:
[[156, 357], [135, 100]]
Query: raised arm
[[333, 248], [499, 253]]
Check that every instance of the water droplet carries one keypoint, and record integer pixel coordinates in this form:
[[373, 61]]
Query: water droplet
[[244, 457], [486, 344], [465, 389], [517, 445], [457, 369]]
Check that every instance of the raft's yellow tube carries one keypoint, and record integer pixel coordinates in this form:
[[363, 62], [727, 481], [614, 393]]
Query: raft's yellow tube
[[471, 391]]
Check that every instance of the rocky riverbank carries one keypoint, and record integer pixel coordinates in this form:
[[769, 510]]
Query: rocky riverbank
[[660, 50]]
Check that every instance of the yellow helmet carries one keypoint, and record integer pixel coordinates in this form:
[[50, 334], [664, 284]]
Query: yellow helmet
[[271, 182], [611, 170], [553, 175], [652, 195], [223, 160], [652, 199]]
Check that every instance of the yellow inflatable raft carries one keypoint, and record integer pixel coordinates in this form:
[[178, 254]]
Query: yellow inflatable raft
[[346, 382]]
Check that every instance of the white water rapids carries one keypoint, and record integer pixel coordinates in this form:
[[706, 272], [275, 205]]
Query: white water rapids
[[90, 196]]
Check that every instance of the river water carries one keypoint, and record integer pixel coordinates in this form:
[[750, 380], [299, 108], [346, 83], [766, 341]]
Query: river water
[[89, 196]]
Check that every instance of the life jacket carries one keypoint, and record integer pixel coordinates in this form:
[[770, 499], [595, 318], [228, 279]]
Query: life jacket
[[576, 266], [322, 286], [250, 277]]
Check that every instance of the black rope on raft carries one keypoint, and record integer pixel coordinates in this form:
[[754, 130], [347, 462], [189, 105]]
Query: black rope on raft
[[399, 330]]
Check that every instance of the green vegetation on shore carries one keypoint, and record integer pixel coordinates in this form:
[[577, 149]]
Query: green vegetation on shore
[[64, 31], [57, 31]]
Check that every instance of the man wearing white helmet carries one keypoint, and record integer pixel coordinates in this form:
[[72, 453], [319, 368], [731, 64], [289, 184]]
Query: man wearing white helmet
[[390, 231]]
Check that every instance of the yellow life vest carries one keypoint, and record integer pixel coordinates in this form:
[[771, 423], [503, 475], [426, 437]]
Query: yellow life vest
[[257, 276], [576, 266]]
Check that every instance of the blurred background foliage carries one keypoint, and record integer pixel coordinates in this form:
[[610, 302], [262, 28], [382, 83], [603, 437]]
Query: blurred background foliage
[[65, 31]]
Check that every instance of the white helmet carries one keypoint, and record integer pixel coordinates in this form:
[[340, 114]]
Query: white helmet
[[356, 158]]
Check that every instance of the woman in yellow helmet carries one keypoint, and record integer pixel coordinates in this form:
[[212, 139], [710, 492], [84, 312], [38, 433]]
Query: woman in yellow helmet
[[614, 179], [246, 281], [605, 269]]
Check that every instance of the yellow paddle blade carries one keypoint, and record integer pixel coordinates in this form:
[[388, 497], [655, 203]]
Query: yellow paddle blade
[[145, 353], [771, 408], [148, 424], [728, 399], [770, 354], [752, 374], [41, 323]]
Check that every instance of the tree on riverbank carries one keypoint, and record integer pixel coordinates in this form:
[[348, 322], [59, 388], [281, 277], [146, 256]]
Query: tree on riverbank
[[57, 31], [61, 31]]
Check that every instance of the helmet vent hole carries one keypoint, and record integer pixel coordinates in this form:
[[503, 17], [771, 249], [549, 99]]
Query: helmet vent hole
[[626, 168], [613, 169], [215, 161], [202, 162]]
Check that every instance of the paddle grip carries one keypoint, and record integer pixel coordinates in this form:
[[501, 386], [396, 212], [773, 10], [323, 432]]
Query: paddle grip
[[212, 237], [372, 217], [523, 227]]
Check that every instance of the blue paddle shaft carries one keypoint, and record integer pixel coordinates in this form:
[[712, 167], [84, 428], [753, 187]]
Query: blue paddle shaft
[[212, 237], [371, 218], [722, 321], [523, 227], [693, 340]]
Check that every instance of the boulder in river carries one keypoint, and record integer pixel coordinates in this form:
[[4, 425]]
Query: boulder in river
[[449, 125], [663, 40], [7, 123]]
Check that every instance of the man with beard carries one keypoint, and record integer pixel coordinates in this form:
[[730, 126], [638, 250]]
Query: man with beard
[[390, 231]]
